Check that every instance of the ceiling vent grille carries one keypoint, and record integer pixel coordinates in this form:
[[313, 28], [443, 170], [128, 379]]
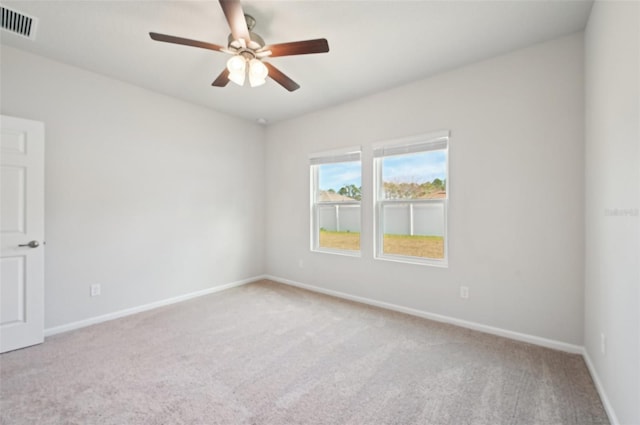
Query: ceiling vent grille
[[18, 23]]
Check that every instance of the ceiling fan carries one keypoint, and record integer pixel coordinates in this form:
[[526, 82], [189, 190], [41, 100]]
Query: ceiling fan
[[249, 50]]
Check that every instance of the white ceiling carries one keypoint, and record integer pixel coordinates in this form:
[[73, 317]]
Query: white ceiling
[[374, 45]]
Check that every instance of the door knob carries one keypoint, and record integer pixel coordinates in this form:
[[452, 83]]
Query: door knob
[[32, 244]]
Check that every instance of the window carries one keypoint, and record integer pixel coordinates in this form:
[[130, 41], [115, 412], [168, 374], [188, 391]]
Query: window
[[411, 195], [335, 201]]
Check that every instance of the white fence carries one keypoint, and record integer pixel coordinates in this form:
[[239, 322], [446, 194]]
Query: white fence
[[339, 218], [399, 219], [413, 219]]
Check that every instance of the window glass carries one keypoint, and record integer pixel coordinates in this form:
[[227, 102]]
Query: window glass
[[336, 207], [421, 175], [341, 178], [424, 240], [411, 202]]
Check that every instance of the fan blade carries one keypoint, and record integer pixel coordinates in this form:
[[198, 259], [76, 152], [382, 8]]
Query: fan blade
[[185, 41], [306, 47], [235, 17], [280, 78], [222, 80]]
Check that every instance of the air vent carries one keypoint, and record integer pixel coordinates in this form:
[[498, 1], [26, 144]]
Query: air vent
[[18, 23]]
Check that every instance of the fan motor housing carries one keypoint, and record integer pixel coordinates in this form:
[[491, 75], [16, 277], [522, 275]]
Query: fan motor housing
[[256, 42]]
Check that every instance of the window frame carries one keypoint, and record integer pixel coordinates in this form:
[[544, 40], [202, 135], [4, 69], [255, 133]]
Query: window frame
[[414, 144], [315, 161]]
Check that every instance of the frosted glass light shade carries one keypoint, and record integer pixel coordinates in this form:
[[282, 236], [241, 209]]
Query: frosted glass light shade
[[237, 66], [237, 78], [257, 73]]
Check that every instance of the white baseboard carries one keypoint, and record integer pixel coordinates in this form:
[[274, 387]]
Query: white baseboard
[[603, 395], [536, 340], [133, 310]]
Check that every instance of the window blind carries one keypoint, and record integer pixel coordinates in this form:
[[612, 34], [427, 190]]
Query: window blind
[[427, 142], [330, 157]]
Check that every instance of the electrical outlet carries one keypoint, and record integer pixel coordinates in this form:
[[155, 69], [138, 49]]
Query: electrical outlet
[[95, 289], [300, 263], [603, 344], [464, 292]]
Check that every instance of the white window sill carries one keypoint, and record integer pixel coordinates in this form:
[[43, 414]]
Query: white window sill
[[344, 253], [413, 260]]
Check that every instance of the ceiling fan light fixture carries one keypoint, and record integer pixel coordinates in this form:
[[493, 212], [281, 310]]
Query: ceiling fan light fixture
[[256, 82], [257, 73], [245, 46], [237, 66], [237, 78]]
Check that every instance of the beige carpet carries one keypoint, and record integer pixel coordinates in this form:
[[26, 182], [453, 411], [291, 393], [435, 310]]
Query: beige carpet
[[266, 353]]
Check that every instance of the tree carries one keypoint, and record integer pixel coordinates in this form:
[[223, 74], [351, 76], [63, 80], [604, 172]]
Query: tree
[[351, 191]]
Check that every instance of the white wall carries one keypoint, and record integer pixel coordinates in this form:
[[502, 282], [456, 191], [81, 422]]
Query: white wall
[[612, 291], [147, 195], [516, 192]]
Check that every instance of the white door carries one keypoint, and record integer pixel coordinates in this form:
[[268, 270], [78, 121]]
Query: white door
[[21, 233]]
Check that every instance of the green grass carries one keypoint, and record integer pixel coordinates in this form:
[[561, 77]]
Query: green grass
[[340, 240], [413, 246]]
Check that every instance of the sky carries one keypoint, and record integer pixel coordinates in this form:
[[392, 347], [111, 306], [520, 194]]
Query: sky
[[334, 176], [412, 168], [415, 168]]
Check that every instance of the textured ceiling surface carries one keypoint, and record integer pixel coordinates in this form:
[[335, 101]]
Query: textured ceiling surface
[[374, 45]]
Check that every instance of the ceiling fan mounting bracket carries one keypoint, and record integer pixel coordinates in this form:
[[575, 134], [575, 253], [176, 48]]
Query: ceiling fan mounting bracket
[[251, 21]]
